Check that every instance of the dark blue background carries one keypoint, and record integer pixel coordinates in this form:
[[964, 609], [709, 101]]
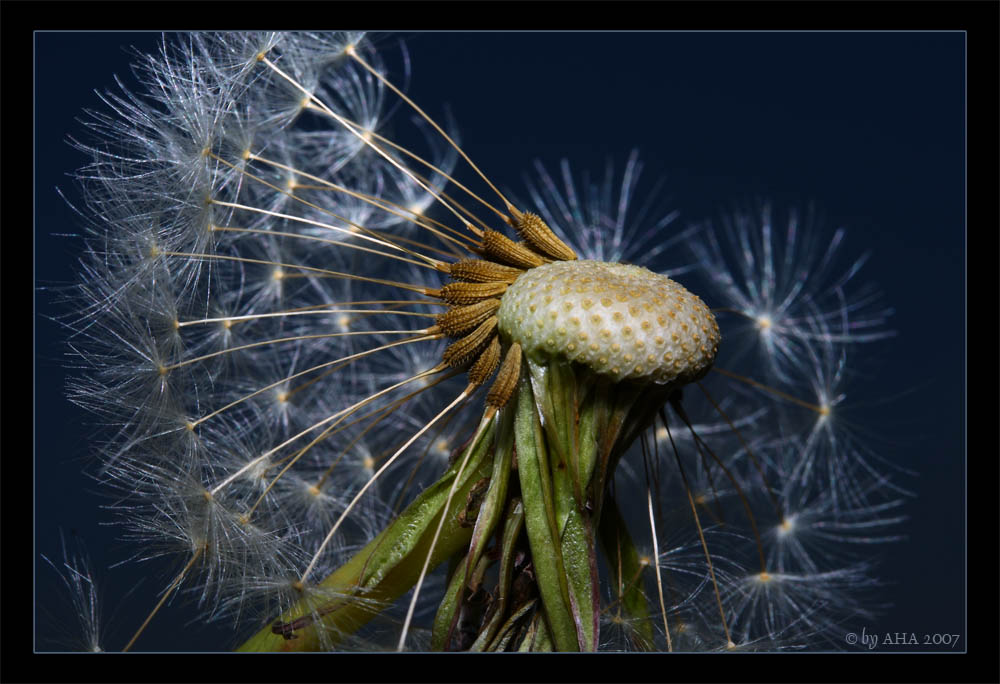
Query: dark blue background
[[869, 126]]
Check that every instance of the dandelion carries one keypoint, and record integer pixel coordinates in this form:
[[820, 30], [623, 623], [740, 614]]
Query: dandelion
[[785, 285], [331, 366]]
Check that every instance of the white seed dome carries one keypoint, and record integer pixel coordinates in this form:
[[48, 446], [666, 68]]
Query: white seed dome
[[622, 321]]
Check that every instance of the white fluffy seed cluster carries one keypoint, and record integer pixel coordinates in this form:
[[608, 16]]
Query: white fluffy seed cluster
[[622, 321]]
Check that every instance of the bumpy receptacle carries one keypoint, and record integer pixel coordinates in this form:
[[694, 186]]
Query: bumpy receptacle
[[621, 321]]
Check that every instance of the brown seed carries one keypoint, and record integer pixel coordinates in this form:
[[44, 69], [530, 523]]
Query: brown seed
[[478, 271], [537, 233], [462, 350], [486, 364], [469, 293], [459, 320], [499, 247], [503, 387]]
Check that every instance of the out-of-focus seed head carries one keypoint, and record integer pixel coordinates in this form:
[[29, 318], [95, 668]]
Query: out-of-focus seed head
[[621, 321]]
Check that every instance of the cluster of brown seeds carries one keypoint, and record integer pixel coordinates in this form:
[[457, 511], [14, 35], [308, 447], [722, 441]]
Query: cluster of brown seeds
[[475, 297]]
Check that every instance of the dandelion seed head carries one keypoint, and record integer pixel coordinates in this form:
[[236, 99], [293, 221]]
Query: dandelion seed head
[[274, 340], [621, 321], [789, 286]]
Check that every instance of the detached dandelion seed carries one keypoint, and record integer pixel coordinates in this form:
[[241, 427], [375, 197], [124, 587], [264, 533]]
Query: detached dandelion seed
[[369, 405]]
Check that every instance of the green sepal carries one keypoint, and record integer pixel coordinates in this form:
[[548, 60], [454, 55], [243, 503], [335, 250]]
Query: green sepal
[[493, 505], [536, 638], [486, 521], [509, 628], [540, 520], [448, 610], [513, 524]]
